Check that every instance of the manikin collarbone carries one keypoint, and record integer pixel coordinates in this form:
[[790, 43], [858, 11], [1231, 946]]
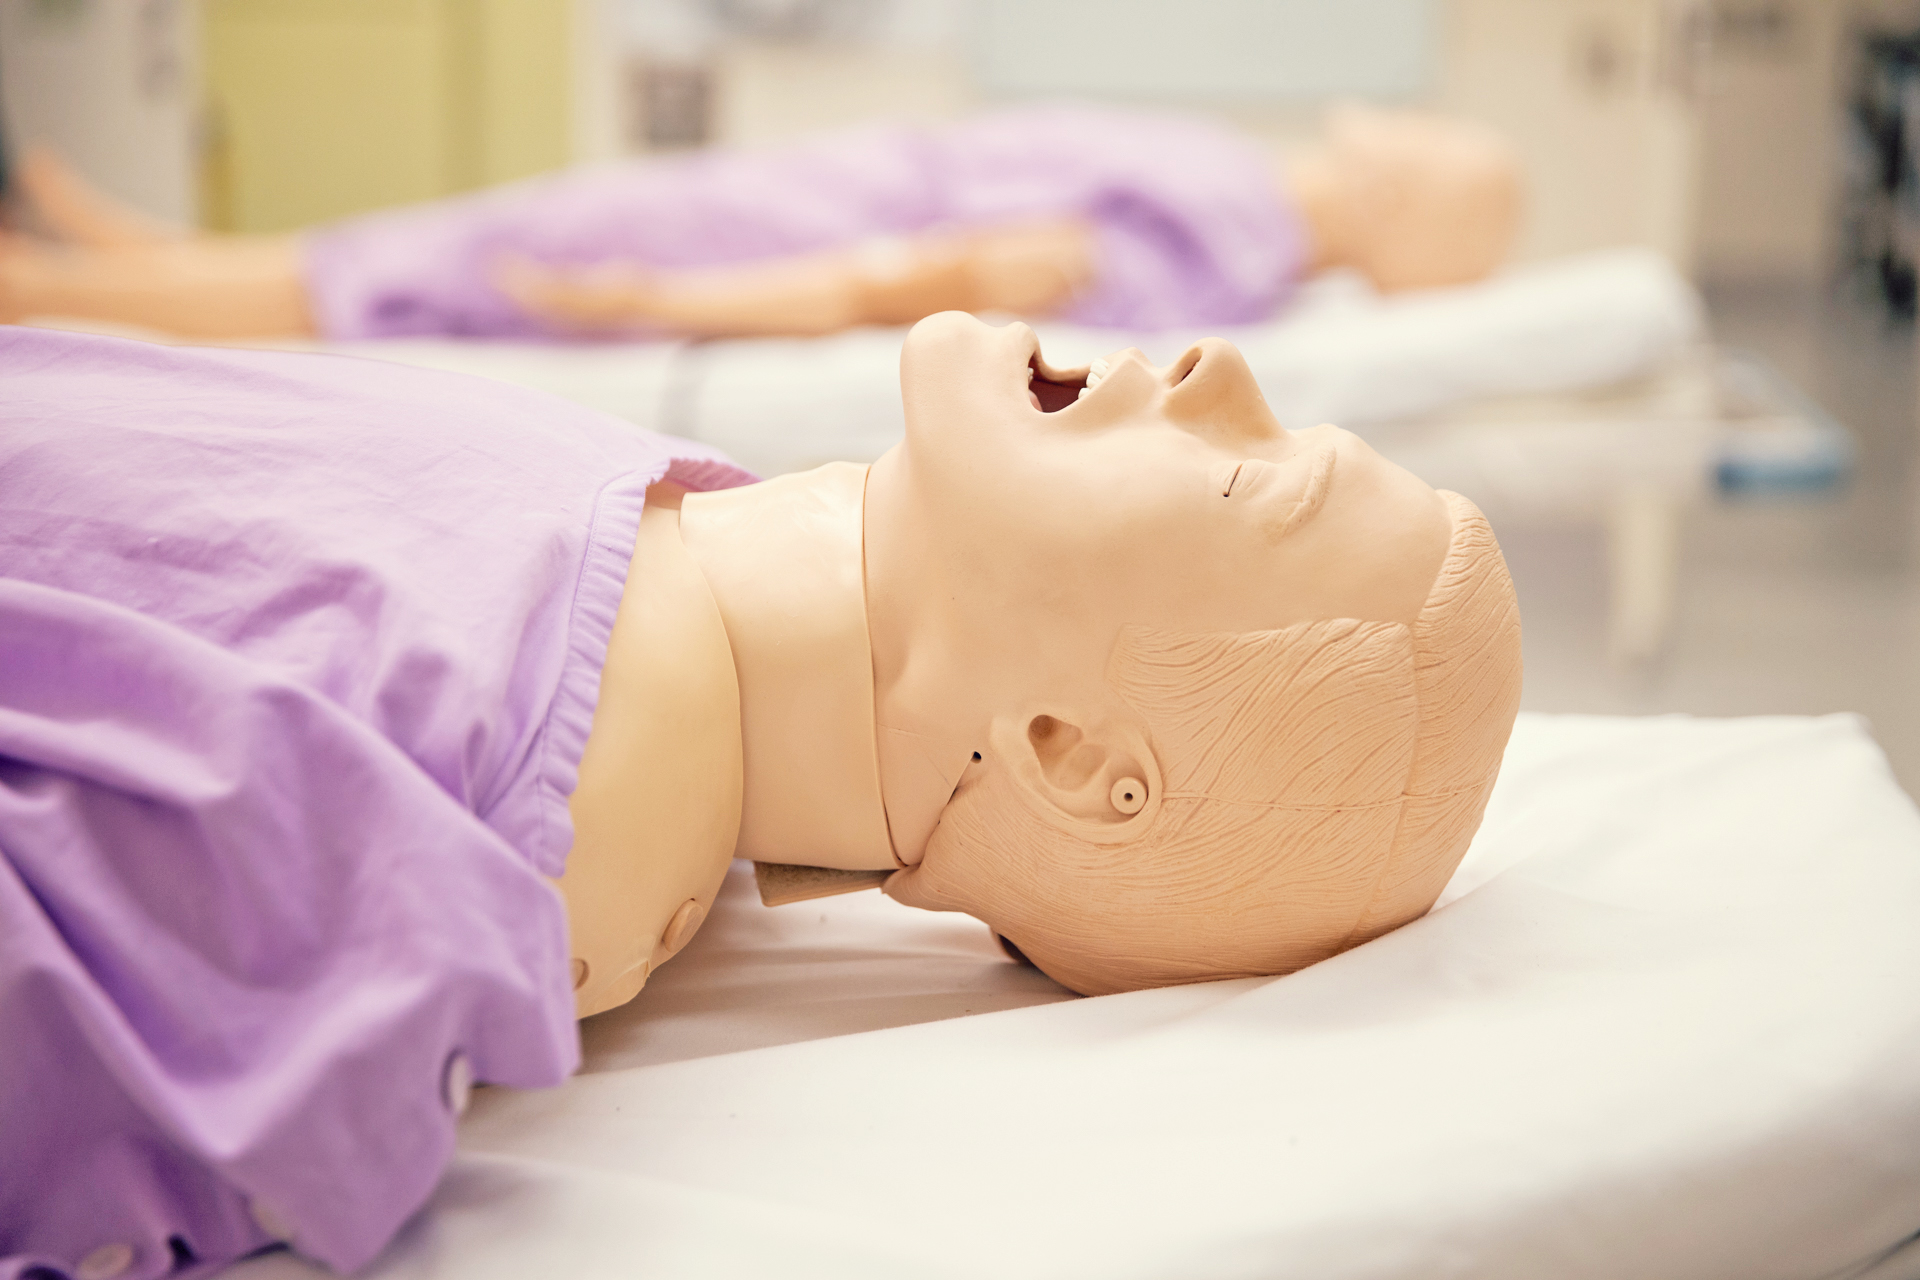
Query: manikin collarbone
[[656, 813]]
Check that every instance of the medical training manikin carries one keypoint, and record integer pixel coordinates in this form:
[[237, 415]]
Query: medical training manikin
[[1159, 690], [317, 672]]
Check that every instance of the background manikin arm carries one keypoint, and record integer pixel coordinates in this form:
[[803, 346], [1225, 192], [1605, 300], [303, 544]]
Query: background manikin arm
[[111, 263], [221, 288], [1029, 268], [79, 214], [114, 265]]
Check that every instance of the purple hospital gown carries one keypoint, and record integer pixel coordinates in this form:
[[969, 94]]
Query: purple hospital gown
[[1189, 225], [298, 655]]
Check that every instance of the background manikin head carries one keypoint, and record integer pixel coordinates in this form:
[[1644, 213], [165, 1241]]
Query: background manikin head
[[1410, 199], [1165, 692]]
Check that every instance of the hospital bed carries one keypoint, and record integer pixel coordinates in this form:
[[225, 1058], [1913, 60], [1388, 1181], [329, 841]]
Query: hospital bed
[[1583, 388], [1664, 1023]]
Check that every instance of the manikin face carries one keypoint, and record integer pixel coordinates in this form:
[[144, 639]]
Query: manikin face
[[1021, 525]]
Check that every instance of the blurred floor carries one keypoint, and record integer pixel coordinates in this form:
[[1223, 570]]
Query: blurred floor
[[1804, 608]]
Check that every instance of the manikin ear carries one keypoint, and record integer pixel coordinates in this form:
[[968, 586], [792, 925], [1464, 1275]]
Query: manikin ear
[[1081, 771], [1096, 780]]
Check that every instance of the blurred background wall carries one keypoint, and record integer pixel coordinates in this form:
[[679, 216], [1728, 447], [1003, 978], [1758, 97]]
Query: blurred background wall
[[1707, 128], [318, 108], [1712, 129], [1599, 94]]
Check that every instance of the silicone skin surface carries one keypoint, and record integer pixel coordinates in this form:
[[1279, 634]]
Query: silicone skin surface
[[656, 811], [1164, 691]]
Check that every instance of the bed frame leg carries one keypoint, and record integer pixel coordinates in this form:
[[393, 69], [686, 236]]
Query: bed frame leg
[[1643, 560]]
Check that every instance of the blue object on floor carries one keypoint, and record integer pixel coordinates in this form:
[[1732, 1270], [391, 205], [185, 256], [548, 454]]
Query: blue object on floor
[[1794, 449]]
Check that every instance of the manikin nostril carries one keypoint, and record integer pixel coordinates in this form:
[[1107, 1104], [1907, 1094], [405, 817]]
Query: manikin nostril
[[1187, 364]]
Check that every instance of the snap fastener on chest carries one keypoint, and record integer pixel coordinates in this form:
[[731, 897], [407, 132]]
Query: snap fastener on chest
[[268, 1219], [456, 1083], [104, 1263], [685, 921]]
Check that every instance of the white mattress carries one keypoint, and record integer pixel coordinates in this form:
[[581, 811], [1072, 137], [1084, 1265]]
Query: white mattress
[[1665, 1023]]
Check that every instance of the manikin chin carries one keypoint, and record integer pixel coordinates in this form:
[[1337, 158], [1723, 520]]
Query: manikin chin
[[1158, 689]]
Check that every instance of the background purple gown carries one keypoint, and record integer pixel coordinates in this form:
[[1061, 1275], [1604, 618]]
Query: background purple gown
[[298, 655], [1189, 224]]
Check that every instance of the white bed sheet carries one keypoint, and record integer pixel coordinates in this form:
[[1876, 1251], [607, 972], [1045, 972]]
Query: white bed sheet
[[642, 382], [1665, 1023]]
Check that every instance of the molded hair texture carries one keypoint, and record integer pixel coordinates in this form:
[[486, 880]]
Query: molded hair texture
[[1320, 784]]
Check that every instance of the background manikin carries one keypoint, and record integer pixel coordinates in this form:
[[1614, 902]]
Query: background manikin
[[1127, 219]]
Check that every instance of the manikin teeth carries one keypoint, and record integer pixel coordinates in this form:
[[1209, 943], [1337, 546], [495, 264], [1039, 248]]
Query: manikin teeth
[[1095, 372]]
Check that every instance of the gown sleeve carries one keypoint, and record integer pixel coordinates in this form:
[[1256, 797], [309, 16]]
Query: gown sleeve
[[250, 956]]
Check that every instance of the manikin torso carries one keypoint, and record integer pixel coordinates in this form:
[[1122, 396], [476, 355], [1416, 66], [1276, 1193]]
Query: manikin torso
[[659, 811], [656, 812]]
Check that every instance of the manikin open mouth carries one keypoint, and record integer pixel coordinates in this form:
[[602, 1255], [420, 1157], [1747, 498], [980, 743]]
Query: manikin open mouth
[[1051, 390]]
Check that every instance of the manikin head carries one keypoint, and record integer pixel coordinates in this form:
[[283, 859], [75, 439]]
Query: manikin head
[[1410, 199], [1164, 691]]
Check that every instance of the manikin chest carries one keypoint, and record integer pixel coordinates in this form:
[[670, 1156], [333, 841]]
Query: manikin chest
[[656, 813]]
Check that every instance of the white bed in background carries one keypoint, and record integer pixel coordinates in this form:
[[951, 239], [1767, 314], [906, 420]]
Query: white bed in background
[[1340, 353], [1581, 389], [1665, 1024]]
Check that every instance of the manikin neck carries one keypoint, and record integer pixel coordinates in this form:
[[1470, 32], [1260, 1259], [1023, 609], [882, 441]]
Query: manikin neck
[[783, 560]]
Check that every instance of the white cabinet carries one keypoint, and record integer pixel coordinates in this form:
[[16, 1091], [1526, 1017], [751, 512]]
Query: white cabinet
[[1601, 97], [111, 84]]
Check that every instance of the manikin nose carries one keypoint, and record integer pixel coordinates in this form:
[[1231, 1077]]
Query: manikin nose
[[1102, 368], [1212, 393]]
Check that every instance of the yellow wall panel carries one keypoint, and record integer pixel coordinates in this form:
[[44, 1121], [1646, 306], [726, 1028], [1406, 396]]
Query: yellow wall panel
[[524, 94], [323, 108]]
